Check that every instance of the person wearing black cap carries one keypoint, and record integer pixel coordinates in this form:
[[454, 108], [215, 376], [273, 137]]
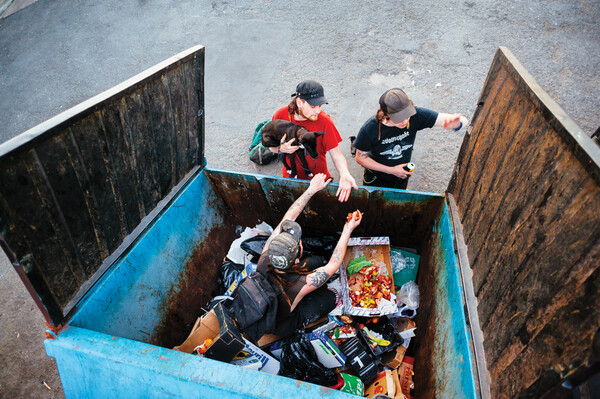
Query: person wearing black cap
[[304, 298], [384, 143], [305, 110]]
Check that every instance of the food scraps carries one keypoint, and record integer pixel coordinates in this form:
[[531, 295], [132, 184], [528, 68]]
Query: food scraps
[[356, 215], [367, 287]]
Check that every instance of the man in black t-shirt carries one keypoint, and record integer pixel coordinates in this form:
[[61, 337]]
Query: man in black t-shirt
[[385, 142]]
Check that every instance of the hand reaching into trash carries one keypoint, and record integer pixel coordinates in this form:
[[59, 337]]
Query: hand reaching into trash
[[320, 276], [354, 220], [318, 182]]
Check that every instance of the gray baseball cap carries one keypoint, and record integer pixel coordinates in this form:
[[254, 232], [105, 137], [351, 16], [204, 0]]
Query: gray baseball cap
[[396, 104], [285, 247]]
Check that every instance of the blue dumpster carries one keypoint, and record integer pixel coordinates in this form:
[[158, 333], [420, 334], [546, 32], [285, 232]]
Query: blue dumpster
[[117, 227]]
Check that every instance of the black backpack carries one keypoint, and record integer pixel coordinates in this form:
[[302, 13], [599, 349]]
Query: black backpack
[[255, 305]]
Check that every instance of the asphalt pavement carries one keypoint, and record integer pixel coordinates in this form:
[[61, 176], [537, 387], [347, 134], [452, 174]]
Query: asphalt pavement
[[56, 54]]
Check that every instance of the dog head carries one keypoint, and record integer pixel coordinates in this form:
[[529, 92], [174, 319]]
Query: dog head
[[308, 140]]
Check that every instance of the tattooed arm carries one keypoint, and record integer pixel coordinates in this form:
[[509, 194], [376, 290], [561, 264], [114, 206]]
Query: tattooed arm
[[318, 183], [322, 274]]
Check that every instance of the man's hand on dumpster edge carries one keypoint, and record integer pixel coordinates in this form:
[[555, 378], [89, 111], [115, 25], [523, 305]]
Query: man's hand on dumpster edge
[[318, 182], [345, 187]]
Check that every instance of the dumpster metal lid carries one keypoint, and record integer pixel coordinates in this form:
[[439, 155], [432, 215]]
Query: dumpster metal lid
[[76, 190], [527, 192]]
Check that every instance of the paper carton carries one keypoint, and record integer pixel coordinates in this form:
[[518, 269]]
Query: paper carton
[[328, 353], [219, 325], [268, 363], [376, 250]]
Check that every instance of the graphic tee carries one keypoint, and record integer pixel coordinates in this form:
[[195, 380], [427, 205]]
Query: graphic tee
[[395, 145], [325, 142]]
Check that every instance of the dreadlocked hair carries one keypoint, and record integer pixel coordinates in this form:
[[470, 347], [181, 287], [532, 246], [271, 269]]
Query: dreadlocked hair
[[277, 278]]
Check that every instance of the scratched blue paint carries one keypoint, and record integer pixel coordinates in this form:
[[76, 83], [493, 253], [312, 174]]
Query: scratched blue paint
[[97, 365], [453, 359], [104, 350], [128, 300]]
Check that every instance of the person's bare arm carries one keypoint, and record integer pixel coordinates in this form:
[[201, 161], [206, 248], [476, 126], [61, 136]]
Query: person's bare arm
[[318, 183], [317, 278], [285, 147], [451, 121], [347, 182], [363, 159]]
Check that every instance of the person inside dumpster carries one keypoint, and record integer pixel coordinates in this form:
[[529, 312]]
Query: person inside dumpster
[[305, 110], [384, 143], [304, 298]]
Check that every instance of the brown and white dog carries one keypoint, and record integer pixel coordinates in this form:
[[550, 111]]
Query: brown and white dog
[[273, 132]]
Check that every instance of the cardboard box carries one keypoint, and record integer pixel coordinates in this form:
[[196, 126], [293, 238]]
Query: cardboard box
[[376, 250], [219, 325], [405, 373], [268, 363], [386, 383], [328, 353]]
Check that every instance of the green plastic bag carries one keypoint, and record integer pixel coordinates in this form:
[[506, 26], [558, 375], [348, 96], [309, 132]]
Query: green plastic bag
[[405, 266]]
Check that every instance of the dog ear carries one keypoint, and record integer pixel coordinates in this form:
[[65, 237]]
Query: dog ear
[[317, 134]]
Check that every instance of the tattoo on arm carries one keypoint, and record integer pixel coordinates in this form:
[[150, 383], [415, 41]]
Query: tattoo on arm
[[319, 278], [362, 154]]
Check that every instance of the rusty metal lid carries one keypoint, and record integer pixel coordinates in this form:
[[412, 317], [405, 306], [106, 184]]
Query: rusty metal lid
[[77, 189]]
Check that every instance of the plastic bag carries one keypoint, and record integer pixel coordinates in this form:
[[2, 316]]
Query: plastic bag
[[226, 275], [236, 253], [409, 295], [319, 246], [299, 361], [253, 246], [407, 300]]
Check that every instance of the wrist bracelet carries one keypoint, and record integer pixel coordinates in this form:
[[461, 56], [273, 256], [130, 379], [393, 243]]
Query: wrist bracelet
[[458, 128]]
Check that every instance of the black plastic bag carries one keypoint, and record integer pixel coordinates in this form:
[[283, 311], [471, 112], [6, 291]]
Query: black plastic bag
[[323, 246], [254, 247], [299, 361], [228, 271]]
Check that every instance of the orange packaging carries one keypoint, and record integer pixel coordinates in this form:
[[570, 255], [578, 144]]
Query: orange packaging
[[405, 373]]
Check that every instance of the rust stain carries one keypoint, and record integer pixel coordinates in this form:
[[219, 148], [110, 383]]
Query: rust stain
[[196, 286], [513, 316]]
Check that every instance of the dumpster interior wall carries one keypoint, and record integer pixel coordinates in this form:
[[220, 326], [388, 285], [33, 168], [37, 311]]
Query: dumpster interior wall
[[157, 291], [532, 230]]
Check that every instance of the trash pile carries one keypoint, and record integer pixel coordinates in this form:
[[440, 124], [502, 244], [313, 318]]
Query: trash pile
[[362, 347]]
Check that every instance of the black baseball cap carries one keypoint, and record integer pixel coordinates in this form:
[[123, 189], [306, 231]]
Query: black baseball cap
[[396, 104], [312, 92], [285, 247]]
